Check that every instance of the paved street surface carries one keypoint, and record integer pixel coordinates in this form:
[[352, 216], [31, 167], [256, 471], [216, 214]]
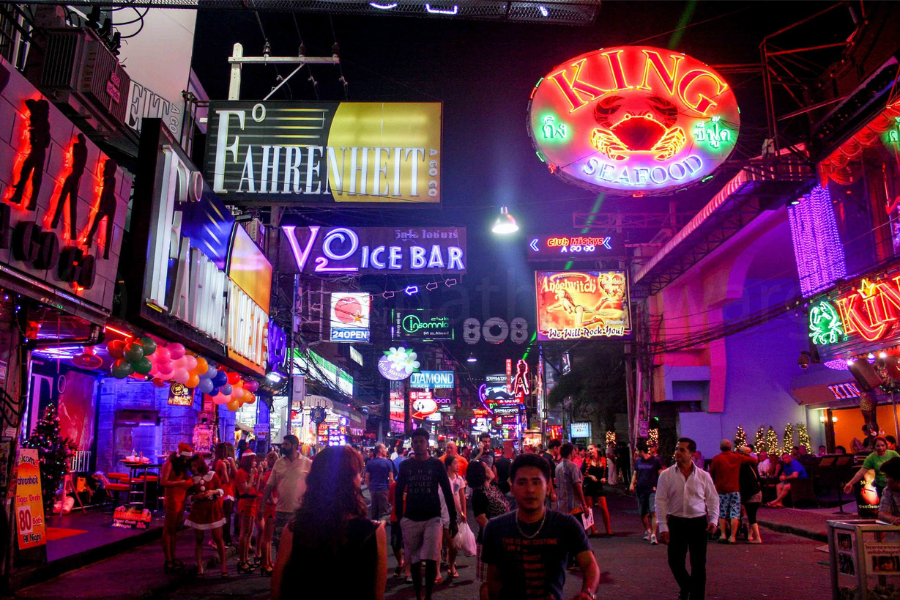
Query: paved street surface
[[786, 566]]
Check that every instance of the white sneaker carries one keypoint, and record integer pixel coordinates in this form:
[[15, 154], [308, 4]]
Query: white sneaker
[[646, 535], [653, 541]]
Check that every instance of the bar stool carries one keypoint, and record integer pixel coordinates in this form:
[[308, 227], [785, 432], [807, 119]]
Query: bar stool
[[138, 488], [117, 488]]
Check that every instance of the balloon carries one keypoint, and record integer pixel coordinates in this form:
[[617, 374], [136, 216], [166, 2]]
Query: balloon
[[190, 362], [210, 372], [166, 375], [214, 391], [116, 349], [162, 353], [226, 389], [220, 379], [251, 386], [164, 364], [238, 393], [148, 345], [202, 365], [239, 384], [138, 376], [251, 399], [176, 351], [143, 366], [181, 376], [205, 385], [121, 369], [219, 399], [179, 363], [233, 405], [158, 382], [233, 378], [134, 352], [193, 381]]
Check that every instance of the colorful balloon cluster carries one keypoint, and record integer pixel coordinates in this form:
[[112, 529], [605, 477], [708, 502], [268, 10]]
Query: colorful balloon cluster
[[170, 363]]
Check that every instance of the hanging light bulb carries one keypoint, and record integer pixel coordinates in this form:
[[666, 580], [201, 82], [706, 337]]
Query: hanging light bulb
[[471, 358], [505, 223]]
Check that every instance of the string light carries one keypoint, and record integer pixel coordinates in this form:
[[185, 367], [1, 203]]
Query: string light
[[760, 442], [740, 438], [788, 439], [803, 434], [817, 245]]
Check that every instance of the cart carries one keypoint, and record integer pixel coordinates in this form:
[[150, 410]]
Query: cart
[[865, 560]]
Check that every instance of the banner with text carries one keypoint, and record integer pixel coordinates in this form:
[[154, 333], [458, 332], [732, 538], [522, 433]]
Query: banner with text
[[582, 304]]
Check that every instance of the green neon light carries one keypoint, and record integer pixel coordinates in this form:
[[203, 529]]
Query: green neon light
[[825, 326], [530, 344], [713, 133], [707, 178], [553, 131]]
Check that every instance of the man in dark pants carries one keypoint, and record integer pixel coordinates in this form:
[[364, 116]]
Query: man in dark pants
[[687, 507]]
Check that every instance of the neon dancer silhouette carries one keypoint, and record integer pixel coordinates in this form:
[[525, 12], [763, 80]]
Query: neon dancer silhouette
[[70, 186], [107, 209], [39, 139]]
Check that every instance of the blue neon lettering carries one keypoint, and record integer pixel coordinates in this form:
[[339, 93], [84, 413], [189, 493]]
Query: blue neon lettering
[[455, 255], [394, 257], [378, 264], [436, 261], [416, 257]]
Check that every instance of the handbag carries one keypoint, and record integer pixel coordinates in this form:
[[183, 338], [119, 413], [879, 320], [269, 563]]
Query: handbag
[[465, 540]]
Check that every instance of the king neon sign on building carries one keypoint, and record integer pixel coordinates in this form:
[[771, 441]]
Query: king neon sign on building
[[633, 120]]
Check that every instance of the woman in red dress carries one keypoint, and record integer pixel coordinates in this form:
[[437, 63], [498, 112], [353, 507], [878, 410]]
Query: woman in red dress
[[226, 469], [175, 483], [247, 480], [267, 518], [206, 511]]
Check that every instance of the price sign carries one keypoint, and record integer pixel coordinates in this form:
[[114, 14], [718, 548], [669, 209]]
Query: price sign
[[29, 502]]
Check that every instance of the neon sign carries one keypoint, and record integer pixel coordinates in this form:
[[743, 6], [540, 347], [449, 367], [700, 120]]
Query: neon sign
[[569, 247], [872, 309], [432, 379], [825, 325], [633, 119], [576, 305]]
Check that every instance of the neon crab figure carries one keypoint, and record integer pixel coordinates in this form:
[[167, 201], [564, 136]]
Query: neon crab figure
[[639, 124]]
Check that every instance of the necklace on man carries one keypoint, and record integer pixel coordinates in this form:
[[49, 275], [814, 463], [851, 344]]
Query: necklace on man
[[533, 535]]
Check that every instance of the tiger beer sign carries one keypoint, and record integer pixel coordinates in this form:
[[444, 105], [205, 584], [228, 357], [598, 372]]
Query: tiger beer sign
[[633, 120]]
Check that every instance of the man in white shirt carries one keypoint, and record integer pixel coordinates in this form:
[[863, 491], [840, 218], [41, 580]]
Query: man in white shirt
[[687, 508], [288, 482]]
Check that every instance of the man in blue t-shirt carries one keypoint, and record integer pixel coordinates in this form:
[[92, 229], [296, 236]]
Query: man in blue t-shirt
[[526, 550], [647, 468], [379, 475], [791, 469]]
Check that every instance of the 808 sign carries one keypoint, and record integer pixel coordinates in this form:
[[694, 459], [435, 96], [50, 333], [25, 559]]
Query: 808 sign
[[495, 330]]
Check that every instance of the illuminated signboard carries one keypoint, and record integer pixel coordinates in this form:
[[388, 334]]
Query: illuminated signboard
[[180, 395], [869, 309], [350, 317], [494, 393], [570, 247], [377, 250], [203, 277], [825, 326], [318, 152], [580, 430], [398, 363], [420, 325], [397, 407], [63, 207], [421, 404], [324, 371], [356, 356], [587, 304], [633, 120], [432, 379]]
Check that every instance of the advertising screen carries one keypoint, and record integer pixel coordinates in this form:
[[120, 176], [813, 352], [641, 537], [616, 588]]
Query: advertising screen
[[581, 430], [582, 304], [432, 379], [350, 317], [396, 406], [325, 152], [633, 120]]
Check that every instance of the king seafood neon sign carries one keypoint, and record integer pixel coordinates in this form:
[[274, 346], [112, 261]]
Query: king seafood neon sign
[[633, 120]]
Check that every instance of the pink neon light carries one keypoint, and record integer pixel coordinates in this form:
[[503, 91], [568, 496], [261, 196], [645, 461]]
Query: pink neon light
[[300, 256]]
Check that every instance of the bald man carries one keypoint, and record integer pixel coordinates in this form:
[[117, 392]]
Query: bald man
[[452, 450]]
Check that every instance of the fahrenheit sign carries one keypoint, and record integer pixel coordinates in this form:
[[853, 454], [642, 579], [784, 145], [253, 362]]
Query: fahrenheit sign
[[314, 152], [633, 120]]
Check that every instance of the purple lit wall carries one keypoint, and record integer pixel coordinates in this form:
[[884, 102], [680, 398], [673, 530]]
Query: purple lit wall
[[817, 245]]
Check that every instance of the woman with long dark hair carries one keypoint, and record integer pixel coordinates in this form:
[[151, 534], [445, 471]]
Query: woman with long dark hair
[[226, 469], [175, 483], [331, 534], [487, 502], [594, 470]]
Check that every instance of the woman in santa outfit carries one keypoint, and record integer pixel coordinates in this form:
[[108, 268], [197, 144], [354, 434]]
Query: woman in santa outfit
[[206, 511], [247, 483]]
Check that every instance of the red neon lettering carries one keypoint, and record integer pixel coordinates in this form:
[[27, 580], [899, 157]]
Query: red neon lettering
[[570, 89], [854, 322], [553, 242], [668, 78], [703, 103], [618, 72]]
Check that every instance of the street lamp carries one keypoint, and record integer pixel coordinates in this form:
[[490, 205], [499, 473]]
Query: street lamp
[[505, 223]]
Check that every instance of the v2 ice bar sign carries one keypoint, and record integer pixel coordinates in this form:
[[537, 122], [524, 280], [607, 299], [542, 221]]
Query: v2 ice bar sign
[[377, 250], [315, 152]]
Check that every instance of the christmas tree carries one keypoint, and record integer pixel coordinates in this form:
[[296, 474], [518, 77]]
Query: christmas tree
[[803, 433], [760, 442], [53, 452], [788, 439], [771, 441], [740, 438]]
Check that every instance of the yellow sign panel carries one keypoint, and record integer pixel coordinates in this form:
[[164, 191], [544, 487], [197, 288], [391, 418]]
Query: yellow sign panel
[[29, 501]]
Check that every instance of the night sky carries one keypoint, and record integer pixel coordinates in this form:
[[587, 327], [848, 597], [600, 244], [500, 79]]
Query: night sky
[[483, 73]]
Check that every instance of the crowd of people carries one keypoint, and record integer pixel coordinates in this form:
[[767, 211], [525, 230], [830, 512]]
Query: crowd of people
[[294, 518]]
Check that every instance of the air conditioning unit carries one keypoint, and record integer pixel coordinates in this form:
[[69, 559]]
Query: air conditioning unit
[[84, 79]]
